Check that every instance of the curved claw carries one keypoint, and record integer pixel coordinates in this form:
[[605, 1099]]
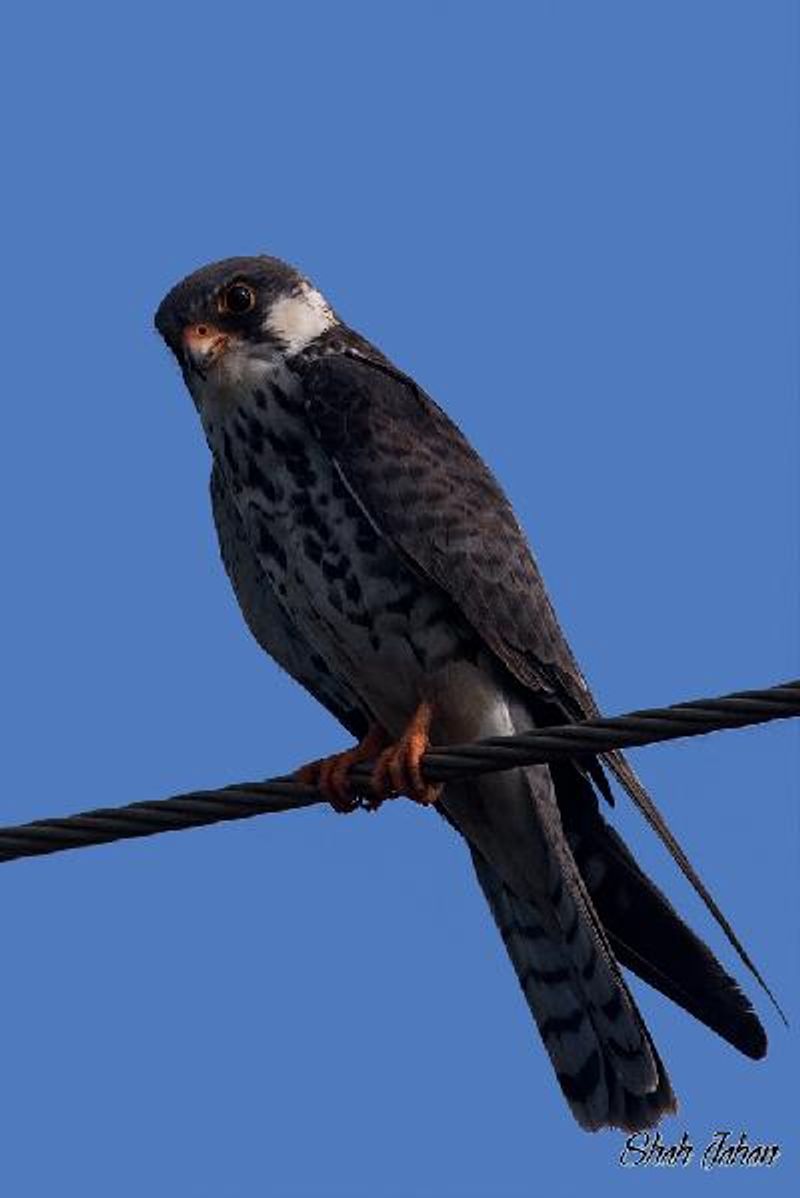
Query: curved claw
[[331, 775], [397, 770]]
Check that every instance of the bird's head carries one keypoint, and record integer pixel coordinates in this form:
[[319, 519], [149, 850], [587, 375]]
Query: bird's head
[[233, 315]]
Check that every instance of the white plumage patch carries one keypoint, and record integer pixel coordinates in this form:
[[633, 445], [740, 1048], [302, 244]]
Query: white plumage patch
[[297, 320]]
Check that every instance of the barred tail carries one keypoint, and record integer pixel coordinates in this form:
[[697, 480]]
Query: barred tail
[[604, 1059]]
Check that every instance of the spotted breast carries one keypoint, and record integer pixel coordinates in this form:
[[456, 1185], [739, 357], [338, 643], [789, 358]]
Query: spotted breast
[[365, 612]]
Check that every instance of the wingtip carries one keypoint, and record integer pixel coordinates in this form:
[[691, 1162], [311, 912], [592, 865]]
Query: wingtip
[[751, 1039], [625, 774]]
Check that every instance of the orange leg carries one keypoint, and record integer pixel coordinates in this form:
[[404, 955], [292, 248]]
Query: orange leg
[[331, 775], [397, 770]]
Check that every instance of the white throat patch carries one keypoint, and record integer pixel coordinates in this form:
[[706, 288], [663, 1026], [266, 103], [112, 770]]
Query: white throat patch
[[297, 320]]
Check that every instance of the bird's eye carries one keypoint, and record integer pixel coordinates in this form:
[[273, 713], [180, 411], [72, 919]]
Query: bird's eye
[[237, 299]]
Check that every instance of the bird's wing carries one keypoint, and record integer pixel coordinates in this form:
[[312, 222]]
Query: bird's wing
[[430, 495], [268, 621], [436, 502]]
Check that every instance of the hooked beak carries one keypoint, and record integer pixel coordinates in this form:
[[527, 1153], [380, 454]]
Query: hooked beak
[[203, 345]]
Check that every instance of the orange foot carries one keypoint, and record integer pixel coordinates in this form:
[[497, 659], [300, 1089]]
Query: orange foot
[[397, 770], [331, 775]]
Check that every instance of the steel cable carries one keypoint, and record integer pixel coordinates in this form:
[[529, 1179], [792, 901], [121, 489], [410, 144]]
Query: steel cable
[[245, 799]]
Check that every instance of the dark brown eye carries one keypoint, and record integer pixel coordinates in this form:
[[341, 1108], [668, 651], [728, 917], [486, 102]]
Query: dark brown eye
[[237, 299]]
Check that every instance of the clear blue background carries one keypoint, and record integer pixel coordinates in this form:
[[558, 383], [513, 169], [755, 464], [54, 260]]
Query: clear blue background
[[576, 224]]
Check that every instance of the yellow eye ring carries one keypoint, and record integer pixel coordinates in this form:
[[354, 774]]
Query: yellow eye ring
[[237, 299]]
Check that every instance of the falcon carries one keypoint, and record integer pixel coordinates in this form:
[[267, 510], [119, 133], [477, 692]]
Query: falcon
[[377, 560]]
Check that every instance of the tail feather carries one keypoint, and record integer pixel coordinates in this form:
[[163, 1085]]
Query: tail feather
[[605, 1062], [645, 932], [572, 906]]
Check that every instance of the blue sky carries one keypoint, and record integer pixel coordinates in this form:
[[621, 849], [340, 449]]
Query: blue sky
[[576, 225]]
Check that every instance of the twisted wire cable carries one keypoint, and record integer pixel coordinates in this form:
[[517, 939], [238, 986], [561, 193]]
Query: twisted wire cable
[[242, 800]]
